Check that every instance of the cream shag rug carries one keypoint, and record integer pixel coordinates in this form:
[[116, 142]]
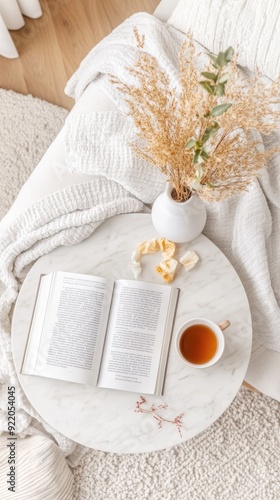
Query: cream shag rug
[[237, 458]]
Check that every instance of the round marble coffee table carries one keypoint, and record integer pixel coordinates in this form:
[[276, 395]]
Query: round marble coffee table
[[106, 419]]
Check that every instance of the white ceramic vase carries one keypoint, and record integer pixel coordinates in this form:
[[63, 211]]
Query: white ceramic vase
[[178, 221]]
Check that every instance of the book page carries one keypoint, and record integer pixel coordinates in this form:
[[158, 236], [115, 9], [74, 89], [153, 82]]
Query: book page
[[135, 336], [67, 337]]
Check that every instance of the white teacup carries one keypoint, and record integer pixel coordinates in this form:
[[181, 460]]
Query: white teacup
[[196, 346]]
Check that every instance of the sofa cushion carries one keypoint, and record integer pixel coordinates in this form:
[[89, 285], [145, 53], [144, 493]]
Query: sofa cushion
[[41, 471], [251, 27]]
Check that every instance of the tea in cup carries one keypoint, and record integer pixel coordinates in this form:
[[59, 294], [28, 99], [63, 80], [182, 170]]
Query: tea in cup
[[200, 342]]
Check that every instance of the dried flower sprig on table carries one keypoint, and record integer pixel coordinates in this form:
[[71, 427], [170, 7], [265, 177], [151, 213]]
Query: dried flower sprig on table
[[201, 137], [177, 421]]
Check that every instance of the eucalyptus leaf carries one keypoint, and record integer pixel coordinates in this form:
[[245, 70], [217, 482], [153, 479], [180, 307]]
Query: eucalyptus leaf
[[213, 186], [205, 137], [215, 125], [196, 185], [209, 131], [204, 155], [220, 109], [207, 86], [224, 78], [229, 54], [200, 159], [190, 144], [213, 59], [197, 158], [220, 90], [221, 60], [210, 76], [213, 131], [199, 170]]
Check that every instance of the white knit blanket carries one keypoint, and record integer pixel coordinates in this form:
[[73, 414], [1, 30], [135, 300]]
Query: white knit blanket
[[245, 228]]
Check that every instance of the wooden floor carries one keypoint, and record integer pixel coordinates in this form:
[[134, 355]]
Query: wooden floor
[[52, 47]]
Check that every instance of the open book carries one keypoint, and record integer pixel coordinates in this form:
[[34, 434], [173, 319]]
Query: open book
[[89, 330]]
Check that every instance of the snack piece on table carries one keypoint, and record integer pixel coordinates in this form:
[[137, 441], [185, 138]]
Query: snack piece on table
[[167, 247], [167, 269], [136, 256], [136, 268], [150, 246], [189, 260]]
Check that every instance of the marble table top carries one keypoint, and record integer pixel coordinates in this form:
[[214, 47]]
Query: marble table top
[[106, 419]]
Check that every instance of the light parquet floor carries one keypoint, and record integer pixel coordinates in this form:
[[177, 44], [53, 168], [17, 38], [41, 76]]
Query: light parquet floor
[[52, 47]]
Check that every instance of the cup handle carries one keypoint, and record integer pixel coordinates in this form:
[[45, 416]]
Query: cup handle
[[225, 324]]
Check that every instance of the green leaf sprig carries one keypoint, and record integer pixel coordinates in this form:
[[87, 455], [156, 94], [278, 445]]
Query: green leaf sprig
[[214, 84]]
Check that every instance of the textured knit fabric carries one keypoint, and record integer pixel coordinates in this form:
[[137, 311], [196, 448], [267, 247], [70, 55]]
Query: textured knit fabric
[[64, 218], [251, 26]]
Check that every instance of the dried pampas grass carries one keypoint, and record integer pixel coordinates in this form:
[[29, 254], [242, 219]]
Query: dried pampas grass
[[167, 121]]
